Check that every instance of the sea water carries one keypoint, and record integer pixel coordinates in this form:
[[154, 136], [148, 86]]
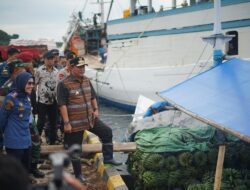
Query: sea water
[[118, 120]]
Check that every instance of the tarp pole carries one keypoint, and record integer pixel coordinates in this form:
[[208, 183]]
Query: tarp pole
[[219, 167]]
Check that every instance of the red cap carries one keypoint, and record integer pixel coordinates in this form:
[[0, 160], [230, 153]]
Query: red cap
[[25, 56]]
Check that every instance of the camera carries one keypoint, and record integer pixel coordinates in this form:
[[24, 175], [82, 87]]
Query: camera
[[59, 161]]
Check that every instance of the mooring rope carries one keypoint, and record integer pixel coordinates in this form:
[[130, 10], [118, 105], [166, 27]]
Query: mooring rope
[[121, 115]]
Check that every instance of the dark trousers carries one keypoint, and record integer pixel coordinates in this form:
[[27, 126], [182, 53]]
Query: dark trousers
[[100, 129], [23, 155], [69, 140], [50, 111], [1, 140], [103, 131], [73, 138]]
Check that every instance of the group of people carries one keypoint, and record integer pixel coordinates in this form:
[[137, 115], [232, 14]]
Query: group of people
[[57, 86]]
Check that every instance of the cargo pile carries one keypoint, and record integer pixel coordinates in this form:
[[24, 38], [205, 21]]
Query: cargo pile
[[191, 170]]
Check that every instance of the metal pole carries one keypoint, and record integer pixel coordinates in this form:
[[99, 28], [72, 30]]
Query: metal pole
[[173, 4], [102, 13], [218, 39], [132, 7], [219, 42], [149, 6]]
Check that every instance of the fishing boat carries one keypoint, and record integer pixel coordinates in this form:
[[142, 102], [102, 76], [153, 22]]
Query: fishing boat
[[148, 50]]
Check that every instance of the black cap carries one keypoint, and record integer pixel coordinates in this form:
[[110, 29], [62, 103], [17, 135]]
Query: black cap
[[55, 51], [12, 51], [78, 61], [70, 55], [48, 54]]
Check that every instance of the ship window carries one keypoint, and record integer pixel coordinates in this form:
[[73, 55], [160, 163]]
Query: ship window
[[232, 45]]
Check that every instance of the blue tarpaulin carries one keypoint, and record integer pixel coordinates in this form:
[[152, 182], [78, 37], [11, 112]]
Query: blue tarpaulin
[[219, 97]]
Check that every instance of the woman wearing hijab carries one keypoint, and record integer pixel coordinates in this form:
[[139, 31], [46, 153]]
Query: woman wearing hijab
[[14, 119]]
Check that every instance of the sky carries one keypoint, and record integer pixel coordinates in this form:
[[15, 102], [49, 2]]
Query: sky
[[36, 19]]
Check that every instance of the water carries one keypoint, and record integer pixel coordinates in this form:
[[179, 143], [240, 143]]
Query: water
[[117, 119]]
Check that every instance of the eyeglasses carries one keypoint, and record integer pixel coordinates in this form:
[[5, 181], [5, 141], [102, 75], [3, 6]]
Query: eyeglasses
[[30, 83]]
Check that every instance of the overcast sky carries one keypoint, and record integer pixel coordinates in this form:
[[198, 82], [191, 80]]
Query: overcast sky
[[34, 19]]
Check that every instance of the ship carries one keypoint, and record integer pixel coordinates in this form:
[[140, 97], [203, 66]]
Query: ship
[[148, 51]]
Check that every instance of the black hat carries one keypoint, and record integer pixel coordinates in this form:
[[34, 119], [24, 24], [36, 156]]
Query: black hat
[[55, 51], [48, 54], [12, 51], [78, 61]]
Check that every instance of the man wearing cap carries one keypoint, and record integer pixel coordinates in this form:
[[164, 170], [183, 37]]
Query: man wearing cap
[[57, 64], [62, 59], [78, 106], [45, 80], [15, 67], [27, 57], [4, 69], [63, 73]]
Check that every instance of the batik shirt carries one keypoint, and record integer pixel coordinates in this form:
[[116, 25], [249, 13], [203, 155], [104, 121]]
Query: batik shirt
[[46, 84]]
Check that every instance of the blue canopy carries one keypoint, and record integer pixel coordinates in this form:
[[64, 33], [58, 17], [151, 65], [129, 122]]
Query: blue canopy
[[219, 97]]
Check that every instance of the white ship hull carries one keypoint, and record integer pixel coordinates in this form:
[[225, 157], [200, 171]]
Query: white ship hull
[[149, 53]]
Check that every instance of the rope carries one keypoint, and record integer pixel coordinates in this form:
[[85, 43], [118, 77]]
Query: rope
[[206, 62], [122, 115], [198, 60], [205, 17], [117, 115], [84, 7], [110, 7], [124, 54]]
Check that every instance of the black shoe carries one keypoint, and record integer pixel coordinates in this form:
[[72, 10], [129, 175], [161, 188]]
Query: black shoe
[[37, 173], [40, 161], [113, 162], [51, 142], [48, 140], [81, 178]]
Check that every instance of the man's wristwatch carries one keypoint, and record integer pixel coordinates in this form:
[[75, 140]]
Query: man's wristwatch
[[66, 123], [95, 109]]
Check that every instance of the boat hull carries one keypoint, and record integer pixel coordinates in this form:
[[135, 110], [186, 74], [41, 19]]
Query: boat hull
[[158, 59]]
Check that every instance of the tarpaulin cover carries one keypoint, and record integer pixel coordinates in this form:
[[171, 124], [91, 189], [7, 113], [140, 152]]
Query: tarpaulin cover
[[219, 96], [173, 139]]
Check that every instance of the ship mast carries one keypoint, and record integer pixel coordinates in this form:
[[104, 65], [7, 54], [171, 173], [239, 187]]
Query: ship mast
[[101, 7], [218, 39], [101, 2]]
